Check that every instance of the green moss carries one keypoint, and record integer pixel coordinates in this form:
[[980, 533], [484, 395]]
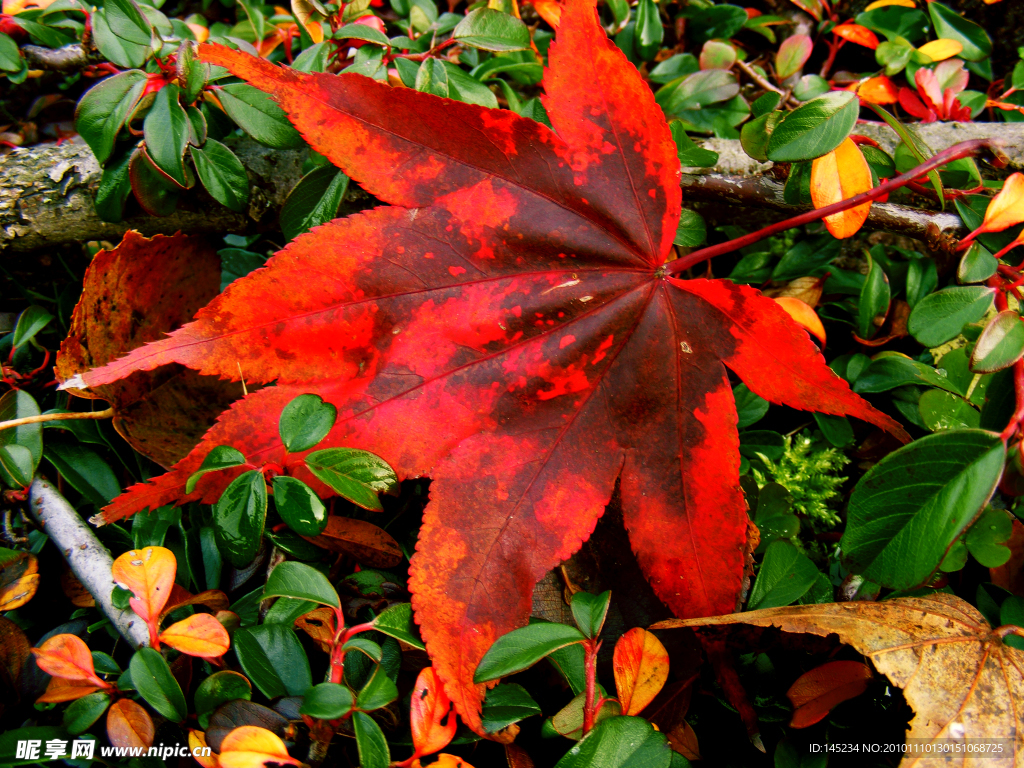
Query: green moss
[[811, 473]]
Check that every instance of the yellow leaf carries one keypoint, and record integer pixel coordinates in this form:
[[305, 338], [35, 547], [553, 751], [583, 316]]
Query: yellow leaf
[[640, 664], [201, 32], [444, 760], [198, 635], [940, 50], [839, 175], [129, 725], [803, 314], [310, 18], [249, 746], [149, 575], [549, 10], [884, 3], [60, 690], [19, 580]]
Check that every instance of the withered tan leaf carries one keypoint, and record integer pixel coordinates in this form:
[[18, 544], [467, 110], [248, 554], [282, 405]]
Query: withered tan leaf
[[956, 673]]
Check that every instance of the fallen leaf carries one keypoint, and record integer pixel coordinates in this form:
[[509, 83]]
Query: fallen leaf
[[807, 289], [369, 544], [509, 328], [956, 673], [878, 90], [683, 740], [149, 575], [803, 314], [517, 757], [14, 652], [319, 625], [60, 690], [841, 174], [640, 665], [133, 294], [75, 590], [199, 635], [817, 692], [213, 599], [430, 714], [129, 725], [250, 746], [67, 657]]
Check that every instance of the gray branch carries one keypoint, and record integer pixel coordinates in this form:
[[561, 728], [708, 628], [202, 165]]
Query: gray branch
[[89, 559], [46, 193], [70, 58]]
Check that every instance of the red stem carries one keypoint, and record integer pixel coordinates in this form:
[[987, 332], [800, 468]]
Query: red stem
[[590, 666], [956, 152], [1018, 416]]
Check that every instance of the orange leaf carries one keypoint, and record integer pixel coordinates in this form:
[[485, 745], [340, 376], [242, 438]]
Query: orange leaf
[[319, 625], [884, 3], [149, 574], [129, 725], [940, 50], [549, 10], [1007, 208], [815, 693], [67, 656], [201, 32], [249, 746], [1004, 105], [198, 635], [197, 740], [878, 90], [430, 714], [310, 18], [804, 314], [60, 690], [841, 174], [640, 664], [855, 33], [444, 760], [19, 580]]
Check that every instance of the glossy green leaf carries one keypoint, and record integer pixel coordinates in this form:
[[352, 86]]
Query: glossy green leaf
[[152, 678], [114, 48], [590, 611], [922, 279], [690, 155], [272, 658], [103, 109], [786, 574], [506, 704], [756, 134], [361, 32], [353, 474], [259, 116], [697, 90], [220, 687], [315, 200], [166, 130], [286, 610], [379, 691], [370, 741], [114, 188], [298, 580], [299, 506], [977, 265], [943, 410], [305, 421], [396, 621], [792, 55], [940, 316], [1000, 345], [895, 21], [648, 33], [238, 518], [524, 647], [10, 55], [128, 22], [327, 701], [815, 128], [836, 429], [82, 713], [713, 22], [986, 538], [907, 510], [156, 192], [30, 322], [365, 646], [84, 469], [492, 30], [891, 370], [874, 299], [950, 25], [692, 230], [620, 742], [221, 457], [16, 466], [19, 404], [222, 174], [750, 408]]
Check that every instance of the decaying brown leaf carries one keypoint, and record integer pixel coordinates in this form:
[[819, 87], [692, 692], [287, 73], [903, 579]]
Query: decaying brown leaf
[[370, 545], [19, 579], [956, 673]]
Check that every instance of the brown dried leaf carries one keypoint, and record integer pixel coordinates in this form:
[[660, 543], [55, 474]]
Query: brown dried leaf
[[213, 599], [75, 590], [683, 740], [807, 289], [14, 652], [319, 625], [133, 294], [956, 673], [369, 544]]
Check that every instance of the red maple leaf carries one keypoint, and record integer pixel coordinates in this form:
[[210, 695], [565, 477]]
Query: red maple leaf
[[509, 328]]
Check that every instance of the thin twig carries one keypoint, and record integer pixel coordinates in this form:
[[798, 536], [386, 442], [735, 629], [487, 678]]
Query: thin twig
[[89, 560], [104, 414], [964, 149], [750, 72]]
